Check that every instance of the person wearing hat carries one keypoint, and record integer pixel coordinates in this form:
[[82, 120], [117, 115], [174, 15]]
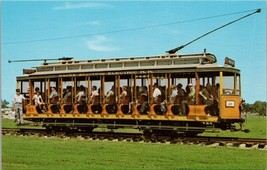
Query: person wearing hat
[[190, 98], [192, 93], [17, 106], [206, 94], [180, 93]]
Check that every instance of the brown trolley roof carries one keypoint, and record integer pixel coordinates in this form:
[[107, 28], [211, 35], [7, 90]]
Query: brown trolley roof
[[203, 62]]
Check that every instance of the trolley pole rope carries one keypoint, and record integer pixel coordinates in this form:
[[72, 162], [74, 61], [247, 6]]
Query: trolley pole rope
[[172, 51], [62, 58]]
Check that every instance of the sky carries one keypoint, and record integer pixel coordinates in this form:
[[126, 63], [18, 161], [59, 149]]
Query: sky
[[109, 29]]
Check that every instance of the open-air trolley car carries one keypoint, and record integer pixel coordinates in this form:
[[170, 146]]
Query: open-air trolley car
[[124, 93]]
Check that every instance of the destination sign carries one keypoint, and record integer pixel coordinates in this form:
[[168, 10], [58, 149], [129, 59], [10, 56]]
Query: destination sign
[[229, 62]]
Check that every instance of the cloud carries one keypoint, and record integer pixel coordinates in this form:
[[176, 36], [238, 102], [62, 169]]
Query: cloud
[[68, 5], [90, 23], [100, 43]]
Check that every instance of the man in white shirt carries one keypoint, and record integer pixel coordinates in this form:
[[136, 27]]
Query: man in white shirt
[[17, 106], [156, 91], [81, 95], [94, 94]]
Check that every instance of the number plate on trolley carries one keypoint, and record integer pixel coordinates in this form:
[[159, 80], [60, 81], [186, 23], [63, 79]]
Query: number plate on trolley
[[230, 103]]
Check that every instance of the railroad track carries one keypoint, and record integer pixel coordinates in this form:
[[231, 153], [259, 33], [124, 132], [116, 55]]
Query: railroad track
[[139, 137]]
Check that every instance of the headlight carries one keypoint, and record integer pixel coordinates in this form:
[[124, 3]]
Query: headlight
[[230, 104]]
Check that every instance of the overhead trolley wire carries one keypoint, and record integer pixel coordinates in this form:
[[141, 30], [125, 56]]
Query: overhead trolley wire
[[123, 30], [172, 51]]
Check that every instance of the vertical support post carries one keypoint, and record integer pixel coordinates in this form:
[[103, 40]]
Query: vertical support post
[[235, 83], [117, 81], [151, 89], [48, 90], [221, 83], [168, 90], [134, 98], [197, 88], [31, 91], [89, 88], [102, 91], [170, 83], [240, 94], [75, 87], [60, 86]]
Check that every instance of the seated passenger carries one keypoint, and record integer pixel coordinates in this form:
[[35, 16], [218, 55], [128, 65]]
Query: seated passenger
[[126, 107], [160, 107], [156, 91], [180, 94], [81, 100], [67, 101], [53, 95], [93, 95], [67, 97], [80, 97], [55, 108], [206, 94], [39, 103], [110, 98], [143, 108], [123, 94], [111, 101], [190, 99]]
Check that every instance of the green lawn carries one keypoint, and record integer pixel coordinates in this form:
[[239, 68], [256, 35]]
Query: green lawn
[[256, 125], [24, 152]]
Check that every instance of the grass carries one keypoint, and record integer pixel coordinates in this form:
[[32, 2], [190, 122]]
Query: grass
[[256, 125], [28, 152], [24, 152]]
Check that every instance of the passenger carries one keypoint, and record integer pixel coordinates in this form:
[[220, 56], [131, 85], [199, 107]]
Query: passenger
[[162, 90], [80, 97], [95, 100], [67, 96], [156, 91], [94, 94], [217, 92], [160, 107], [27, 96], [217, 99], [67, 100], [110, 98], [111, 101], [180, 93], [143, 101], [39, 103], [37, 89], [206, 94], [144, 91], [53, 95], [81, 100], [123, 94], [54, 98], [190, 98], [17, 106], [64, 92]]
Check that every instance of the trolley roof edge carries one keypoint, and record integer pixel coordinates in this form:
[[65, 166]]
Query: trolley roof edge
[[201, 62]]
